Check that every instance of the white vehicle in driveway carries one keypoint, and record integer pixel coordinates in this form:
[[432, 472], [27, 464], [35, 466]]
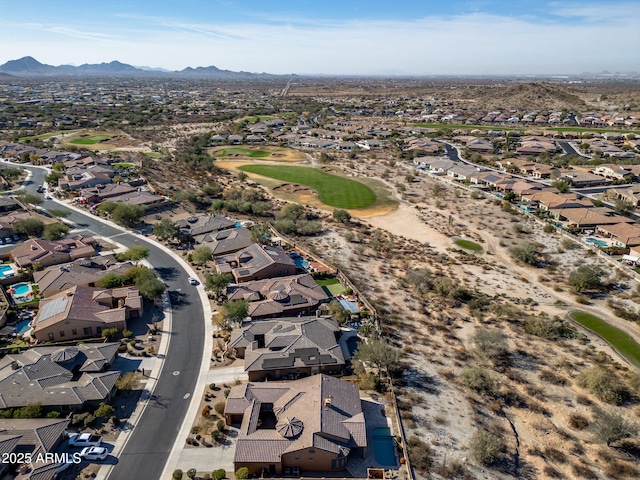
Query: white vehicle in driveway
[[94, 453], [85, 440]]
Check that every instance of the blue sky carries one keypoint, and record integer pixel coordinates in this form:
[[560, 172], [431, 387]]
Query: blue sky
[[356, 37]]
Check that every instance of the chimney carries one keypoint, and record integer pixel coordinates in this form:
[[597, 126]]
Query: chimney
[[327, 401], [69, 293]]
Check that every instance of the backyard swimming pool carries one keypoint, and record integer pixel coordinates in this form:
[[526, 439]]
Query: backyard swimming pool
[[22, 327], [348, 305], [384, 449], [6, 271], [600, 243], [21, 289], [299, 261]]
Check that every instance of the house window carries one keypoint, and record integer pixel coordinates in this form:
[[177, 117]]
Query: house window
[[74, 331], [88, 330], [61, 333], [99, 330], [51, 336]]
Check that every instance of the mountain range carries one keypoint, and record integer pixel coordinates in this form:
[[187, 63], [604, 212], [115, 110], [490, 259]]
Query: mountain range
[[30, 67]]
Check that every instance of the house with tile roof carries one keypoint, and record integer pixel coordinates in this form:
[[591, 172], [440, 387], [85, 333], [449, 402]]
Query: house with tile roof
[[46, 252], [195, 228], [59, 378], [226, 241], [81, 312], [35, 437], [256, 262], [314, 424], [86, 272], [280, 296], [290, 348]]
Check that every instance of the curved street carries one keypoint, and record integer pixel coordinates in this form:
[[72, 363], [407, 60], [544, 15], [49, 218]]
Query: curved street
[[148, 446]]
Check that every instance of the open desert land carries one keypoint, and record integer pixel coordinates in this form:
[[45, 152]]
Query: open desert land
[[407, 262]]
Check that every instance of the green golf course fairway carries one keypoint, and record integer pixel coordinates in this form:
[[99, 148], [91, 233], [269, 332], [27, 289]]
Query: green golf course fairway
[[332, 190], [623, 343]]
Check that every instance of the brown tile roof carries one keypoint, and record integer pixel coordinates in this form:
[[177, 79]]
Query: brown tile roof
[[328, 409]]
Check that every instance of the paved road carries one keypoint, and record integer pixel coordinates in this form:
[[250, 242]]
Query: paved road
[[569, 150], [149, 445]]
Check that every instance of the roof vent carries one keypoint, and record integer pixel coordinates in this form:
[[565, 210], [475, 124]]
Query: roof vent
[[327, 401], [69, 293]]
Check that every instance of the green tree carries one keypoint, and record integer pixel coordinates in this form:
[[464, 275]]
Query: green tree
[[56, 231], [378, 353], [242, 473], [127, 215], [29, 226], [201, 255], [59, 212], [148, 283], [341, 315], [623, 207], [234, 311], [29, 198], [53, 178], [104, 410], [562, 185], [30, 410], [165, 229], [134, 253], [217, 282], [109, 332], [191, 473], [261, 234], [586, 278], [242, 176], [11, 174], [58, 167], [219, 474], [609, 426], [111, 280], [341, 216]]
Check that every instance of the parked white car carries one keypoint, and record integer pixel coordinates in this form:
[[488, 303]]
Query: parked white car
[[94, 453], [193, 281], [85, 440]]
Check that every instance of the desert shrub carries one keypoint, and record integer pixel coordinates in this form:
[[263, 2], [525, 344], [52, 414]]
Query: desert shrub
[[609, 426], [242, 473], [177, 474], [582, 471], [454, 469], [489, 343], [486, 448], [219, 474], [206, 411], [617, 469], [191, 473], [227, 392], [551, 472], [420, 454], [548, 328], [551, 377], [221, 424], [577, 421], [526, 252], [603, 384], [555, 455], [219, 408], [481, 380]]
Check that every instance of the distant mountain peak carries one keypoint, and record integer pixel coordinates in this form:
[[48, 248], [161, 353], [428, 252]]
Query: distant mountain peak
[[30, 67]]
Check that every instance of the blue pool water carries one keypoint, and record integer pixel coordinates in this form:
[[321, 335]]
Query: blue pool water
[[21, 289], [6, 270], [238, 224], [384, 449], [22, 327], [300, 262], [600, 243]]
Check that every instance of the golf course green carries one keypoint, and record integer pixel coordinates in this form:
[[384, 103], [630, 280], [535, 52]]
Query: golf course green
[[332, 190]]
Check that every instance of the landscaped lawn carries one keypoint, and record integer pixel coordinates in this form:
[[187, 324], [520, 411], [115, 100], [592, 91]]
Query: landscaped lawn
[[90, 140], [122, 165], [623, 343], [451, 126], [49, 134], [332, 190], [331, 286], [247, 152], [468, 244]]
